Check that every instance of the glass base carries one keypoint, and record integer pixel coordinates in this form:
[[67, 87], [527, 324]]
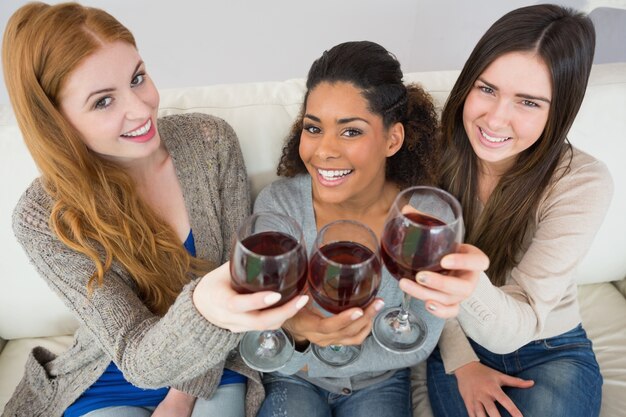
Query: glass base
[[396, 335], [337, 355], [266, 351]]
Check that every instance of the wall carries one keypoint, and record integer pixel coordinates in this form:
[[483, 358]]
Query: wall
[[187, 43]]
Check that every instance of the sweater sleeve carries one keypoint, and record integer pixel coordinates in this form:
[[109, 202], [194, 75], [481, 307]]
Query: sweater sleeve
[[502, 319]]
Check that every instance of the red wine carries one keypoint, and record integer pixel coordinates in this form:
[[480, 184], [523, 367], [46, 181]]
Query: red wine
[[261, 269], [339, 287], [407, 248]]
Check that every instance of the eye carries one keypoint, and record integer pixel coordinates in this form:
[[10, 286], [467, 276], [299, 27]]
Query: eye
[[530, 103], [138, 79], [314, 130], [485, 89], [103, 103], [351, 132]]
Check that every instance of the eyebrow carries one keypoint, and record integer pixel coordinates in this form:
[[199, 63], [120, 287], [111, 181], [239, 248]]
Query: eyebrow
[[339, 121], [108, 90], [521, 95]]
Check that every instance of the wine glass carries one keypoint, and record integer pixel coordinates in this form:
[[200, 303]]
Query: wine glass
[[344, 272], [423, 225], [268, 254]]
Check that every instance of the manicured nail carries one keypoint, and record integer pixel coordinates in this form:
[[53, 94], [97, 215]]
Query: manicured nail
[[422, 277], [272, 298], [447, 263], [302, 301], [378, 305], [356, 315], [432, 307]]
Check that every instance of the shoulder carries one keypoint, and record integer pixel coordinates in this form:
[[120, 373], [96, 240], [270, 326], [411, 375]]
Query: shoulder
[[32, 212], [284, 194], [578, 168], [579, 176], [190, 127]]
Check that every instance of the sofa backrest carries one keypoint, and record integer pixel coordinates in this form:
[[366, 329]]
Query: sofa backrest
[[261, 114]]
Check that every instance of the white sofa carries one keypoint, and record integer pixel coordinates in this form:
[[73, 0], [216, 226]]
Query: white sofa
[[261, 114]]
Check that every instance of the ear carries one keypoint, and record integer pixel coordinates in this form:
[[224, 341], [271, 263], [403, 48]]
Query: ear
[[395, 139]]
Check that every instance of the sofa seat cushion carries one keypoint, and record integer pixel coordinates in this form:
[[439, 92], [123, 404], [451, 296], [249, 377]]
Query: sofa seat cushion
[[603, 309], [14, 355]]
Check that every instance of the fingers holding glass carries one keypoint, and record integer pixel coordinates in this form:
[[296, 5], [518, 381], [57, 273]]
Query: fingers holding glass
[[268, 254]]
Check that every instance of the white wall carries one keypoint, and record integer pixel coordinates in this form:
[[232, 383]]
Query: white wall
[[187, 42]]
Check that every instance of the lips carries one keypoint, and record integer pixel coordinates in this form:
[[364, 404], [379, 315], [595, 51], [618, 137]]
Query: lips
[[332, 177], [491, 139], [143, 133]]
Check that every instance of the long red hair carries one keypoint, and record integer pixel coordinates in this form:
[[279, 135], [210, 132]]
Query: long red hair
[[97, 210]]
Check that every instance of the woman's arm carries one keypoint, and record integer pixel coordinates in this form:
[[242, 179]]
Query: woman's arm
[[151, 351], [566, 223]]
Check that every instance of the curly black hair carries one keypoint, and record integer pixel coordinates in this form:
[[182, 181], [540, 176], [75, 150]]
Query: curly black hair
[[376, 72]]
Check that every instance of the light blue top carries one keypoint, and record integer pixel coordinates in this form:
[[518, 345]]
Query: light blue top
[[292, 196]]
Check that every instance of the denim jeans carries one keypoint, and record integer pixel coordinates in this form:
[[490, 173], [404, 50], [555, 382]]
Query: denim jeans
[[566, 374], [228, 401], [288, 396]]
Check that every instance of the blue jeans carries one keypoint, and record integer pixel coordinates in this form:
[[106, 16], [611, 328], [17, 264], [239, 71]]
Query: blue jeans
[[292, 396], [566, 374]]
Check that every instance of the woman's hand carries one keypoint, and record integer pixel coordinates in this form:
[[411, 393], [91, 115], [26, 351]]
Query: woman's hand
[[444, 293], [220, 304], [175, 404], [349, 327], [481, 386]]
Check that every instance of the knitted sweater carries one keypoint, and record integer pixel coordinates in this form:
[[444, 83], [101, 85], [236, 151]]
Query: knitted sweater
[[181, 349], [292, 196], [539, 299]]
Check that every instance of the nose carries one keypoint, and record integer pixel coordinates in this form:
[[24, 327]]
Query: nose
[[328, 147], [498, 115], [136, 107]]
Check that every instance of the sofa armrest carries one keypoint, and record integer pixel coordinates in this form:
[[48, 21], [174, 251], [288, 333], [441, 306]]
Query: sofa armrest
[[621, 286]]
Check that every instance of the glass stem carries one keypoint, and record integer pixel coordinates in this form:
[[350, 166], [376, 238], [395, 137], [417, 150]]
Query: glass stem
[[268, 340], [403, 315]]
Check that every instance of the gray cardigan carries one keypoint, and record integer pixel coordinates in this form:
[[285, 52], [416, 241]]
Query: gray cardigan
[[181, 349], [292, 196]]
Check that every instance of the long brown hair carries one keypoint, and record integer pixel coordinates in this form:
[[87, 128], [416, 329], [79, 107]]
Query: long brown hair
[[96, 210], [377, 73], [565, 40]]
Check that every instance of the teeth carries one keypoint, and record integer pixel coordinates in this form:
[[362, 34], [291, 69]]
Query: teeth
[[494, 139], [333, 174], [141, 131]]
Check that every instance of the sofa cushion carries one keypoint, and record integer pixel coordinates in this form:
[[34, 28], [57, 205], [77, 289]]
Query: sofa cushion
[[28, 308], [603, 310]]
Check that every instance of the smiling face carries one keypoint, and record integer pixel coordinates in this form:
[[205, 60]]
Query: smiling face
[[344, 146], [507, 109], [112, 103]]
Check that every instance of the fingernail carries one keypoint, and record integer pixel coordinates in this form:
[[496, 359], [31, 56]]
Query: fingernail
[[272, 298], [422, 277], [432, 307], [378, 305], [302, 301], [447, 263], [356, 315]]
